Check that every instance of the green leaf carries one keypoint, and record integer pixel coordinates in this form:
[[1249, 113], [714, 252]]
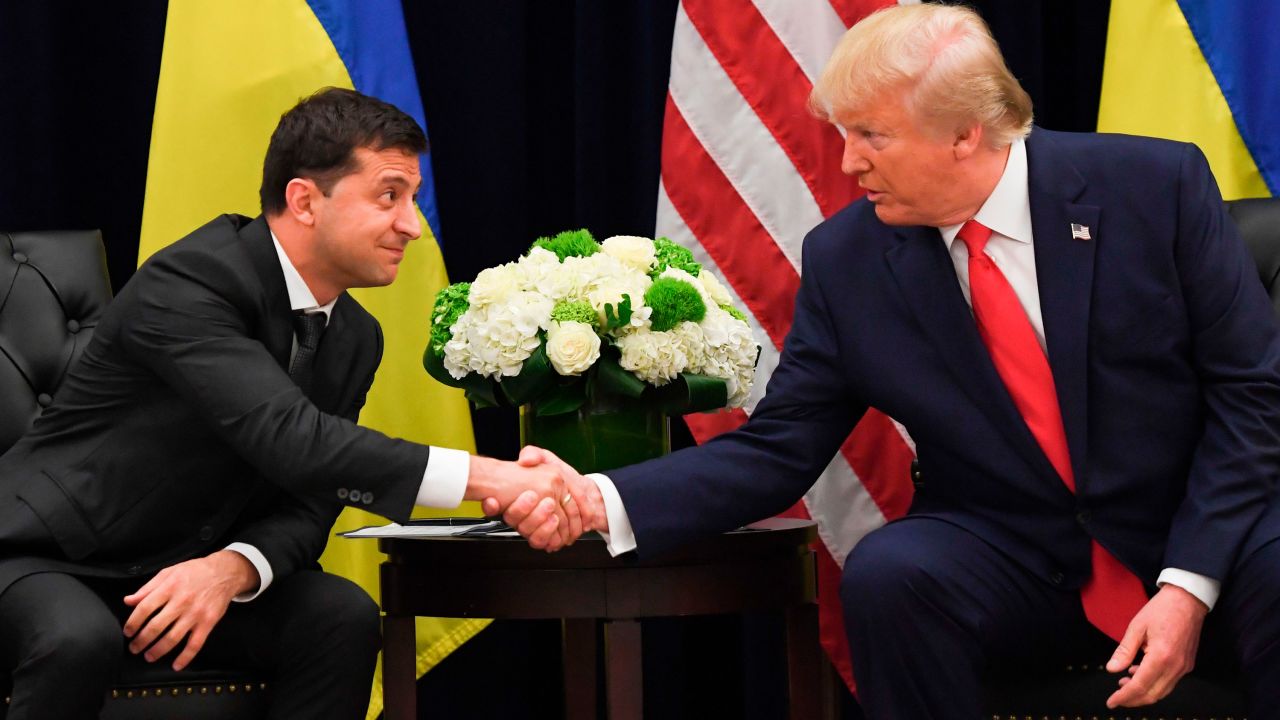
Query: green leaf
[[562, 399], [690, 393], [434, 365], [612, 379], [536, 378], [614, 320]]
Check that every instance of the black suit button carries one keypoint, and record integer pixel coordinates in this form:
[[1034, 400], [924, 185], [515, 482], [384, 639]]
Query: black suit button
[[1083, 517], [366, 498], [19, 258], [206, 533], [1056, 577], [135, 570], [342, 493], [73, 326], [45, 399]]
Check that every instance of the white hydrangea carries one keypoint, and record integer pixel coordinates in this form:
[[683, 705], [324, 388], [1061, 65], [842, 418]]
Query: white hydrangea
[[542, 272], [730, 353], [494, 285], [655, 357], [606, 279], [495, 340]]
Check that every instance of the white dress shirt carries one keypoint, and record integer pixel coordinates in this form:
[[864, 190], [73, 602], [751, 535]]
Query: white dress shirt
[[1007, 212], [444, 481]]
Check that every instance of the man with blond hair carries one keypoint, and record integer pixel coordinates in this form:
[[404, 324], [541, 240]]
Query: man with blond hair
[[1074, 335]]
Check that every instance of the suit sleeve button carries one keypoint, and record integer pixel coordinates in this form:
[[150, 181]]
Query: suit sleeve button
[[1083, 517], [366, 498], [206, 533], [342, 493]]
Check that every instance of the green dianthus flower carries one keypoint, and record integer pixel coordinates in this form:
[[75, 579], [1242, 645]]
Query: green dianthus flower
[[673, 302], [570, 243]]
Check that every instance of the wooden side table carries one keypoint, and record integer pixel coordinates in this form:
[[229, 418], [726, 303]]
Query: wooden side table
[[767, 566]]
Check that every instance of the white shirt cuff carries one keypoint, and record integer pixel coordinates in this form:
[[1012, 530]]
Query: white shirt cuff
[[620, 538], [444, 482], [1205, 589], [259, 563]]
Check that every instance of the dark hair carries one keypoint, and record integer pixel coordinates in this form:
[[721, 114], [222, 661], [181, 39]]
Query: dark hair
[[317, 139]]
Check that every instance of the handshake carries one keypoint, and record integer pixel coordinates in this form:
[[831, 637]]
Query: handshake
[[540, 495]]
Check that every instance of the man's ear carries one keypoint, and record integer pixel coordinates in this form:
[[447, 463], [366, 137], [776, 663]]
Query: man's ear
[[967, 141], [300, 199]]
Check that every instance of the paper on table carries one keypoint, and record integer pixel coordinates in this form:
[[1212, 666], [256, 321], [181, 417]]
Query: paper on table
[[396, 530]]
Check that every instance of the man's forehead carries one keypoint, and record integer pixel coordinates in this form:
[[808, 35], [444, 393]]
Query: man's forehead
[[391, 163]]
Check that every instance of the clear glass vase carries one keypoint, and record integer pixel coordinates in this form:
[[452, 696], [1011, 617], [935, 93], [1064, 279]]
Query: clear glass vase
[[601, 435]]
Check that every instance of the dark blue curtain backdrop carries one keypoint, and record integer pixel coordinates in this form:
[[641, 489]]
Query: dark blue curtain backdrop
[[543, 115]]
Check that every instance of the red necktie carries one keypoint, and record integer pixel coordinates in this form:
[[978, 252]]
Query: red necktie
[[1113, 594]]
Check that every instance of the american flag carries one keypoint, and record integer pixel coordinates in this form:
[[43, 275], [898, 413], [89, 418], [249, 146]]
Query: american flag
[[746, 172]]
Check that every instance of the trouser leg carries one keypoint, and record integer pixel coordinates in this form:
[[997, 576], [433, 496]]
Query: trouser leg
[[930, 609], [315, 635], [62, 646], [1248, 613]]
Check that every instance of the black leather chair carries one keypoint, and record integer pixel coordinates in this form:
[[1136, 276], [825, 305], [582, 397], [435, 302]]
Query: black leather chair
[[1080, 690], [53, 288]]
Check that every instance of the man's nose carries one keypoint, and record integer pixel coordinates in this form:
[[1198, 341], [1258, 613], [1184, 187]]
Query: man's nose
[[407, 222], [853, 162]]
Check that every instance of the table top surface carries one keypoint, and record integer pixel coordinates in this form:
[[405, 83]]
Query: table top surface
[[766, 536]]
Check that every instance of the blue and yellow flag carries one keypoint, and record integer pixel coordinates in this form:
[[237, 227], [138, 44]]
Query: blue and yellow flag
[[228, 71], [1201, 71]]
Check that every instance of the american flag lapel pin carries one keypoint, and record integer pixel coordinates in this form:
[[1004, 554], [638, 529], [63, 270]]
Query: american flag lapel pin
[[1080, 232]]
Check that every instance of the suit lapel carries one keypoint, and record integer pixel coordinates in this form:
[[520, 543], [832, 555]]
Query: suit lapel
[[276, 331], [927, 279], [1064, 275]]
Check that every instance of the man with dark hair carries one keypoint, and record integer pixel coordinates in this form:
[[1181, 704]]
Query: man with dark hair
[[200, 450]]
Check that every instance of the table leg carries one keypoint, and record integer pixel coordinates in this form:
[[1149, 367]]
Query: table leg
[[580, 654], [399, 668], [804, 665], [624, 678]]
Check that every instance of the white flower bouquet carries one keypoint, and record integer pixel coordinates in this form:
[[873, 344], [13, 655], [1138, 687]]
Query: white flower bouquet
[[574, 318]]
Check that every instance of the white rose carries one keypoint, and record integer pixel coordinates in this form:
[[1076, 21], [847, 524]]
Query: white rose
[[572, 347], [714, 289], [634, 251]]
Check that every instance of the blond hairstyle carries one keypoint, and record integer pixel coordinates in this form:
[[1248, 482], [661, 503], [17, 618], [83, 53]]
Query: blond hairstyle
[[944, 60]]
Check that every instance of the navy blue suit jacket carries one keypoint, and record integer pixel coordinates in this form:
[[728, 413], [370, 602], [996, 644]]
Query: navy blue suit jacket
[[1164, 349]]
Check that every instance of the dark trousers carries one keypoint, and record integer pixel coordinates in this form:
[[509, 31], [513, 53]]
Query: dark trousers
[[930, 610], [314, 635]]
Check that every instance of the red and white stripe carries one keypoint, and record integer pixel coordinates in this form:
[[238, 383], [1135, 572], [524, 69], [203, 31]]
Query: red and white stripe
[[746, 172]]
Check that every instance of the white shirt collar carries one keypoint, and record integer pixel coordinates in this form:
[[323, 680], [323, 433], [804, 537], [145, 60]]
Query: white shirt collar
[[301, 298], [1007, 210]]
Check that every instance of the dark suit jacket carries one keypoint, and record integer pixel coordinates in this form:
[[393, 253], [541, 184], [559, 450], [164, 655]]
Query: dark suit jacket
[[1164, 350], [179, 429]]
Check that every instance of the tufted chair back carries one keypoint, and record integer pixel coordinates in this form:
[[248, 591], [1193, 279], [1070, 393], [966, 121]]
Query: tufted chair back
[[53, 288]]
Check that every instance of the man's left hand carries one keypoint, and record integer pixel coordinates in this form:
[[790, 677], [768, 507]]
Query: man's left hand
[[186, 601], [1167, 631]]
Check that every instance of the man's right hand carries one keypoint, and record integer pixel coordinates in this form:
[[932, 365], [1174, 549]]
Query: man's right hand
[[536, 519], [540, 490]]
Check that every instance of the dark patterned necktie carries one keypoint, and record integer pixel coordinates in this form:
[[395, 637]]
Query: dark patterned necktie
[[307, 327]]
